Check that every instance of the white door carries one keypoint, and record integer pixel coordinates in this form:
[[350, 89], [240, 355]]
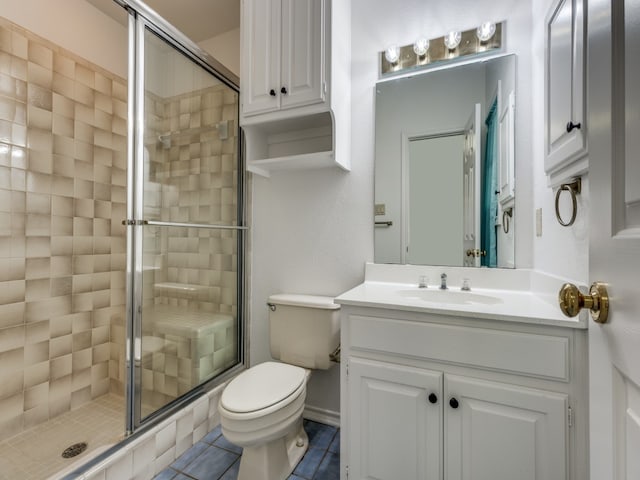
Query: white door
[[395, 424], [471, 188], [495, 431], [614, 243], [433, 187]]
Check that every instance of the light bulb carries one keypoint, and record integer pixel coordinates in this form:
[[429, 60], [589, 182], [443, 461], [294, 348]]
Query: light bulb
[[452, 39], [486, 31], [392, 54], [421, 46]]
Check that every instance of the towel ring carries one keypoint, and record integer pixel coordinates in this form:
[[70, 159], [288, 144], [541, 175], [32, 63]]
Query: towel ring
[[574, 188], [506, 215]]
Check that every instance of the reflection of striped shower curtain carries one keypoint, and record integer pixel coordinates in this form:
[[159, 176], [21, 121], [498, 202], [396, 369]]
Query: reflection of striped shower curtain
[[489, 205]]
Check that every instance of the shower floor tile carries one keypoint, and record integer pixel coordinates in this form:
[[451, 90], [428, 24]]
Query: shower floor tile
[[214, 458], [35, 454]]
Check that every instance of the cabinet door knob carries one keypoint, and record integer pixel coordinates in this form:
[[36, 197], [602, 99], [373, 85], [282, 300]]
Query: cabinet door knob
[[453, 402], [571, 126], [272, 92], [433, 398], [283, 90]]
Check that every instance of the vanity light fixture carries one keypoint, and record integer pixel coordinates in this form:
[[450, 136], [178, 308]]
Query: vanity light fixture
[[421, 46], [486, 31], [455, 45], [392, 54], [452, 39]]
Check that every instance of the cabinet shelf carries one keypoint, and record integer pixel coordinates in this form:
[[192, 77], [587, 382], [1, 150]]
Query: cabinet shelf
[[303, 161], [300, 143]]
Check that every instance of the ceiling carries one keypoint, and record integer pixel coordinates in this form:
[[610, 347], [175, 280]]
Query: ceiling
[[197, 19]]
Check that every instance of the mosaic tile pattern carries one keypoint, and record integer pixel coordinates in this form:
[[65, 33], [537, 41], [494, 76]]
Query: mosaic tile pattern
[[62, 248], [190, 274], [36, 453], [182, 349], [63, 126], [214, 458], [192, 178]]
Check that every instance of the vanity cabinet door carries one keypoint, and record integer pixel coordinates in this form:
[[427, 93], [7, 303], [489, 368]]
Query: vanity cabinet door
[[503, 432], [282, 55], [395, 422], [565, 109]]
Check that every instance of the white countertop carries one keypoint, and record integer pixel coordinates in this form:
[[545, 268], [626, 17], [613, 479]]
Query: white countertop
[[522, 306]]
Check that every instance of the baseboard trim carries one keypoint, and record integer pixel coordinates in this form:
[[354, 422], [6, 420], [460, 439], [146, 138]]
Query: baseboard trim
[[320, 415]]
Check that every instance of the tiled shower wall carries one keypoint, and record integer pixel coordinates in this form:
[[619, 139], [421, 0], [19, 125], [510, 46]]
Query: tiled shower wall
[[192, 178], [63, 125], [62, 246], [189, 326]]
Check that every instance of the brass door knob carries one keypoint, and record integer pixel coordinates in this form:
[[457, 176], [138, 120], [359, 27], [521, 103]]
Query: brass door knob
[[572, 301], [476, 252]]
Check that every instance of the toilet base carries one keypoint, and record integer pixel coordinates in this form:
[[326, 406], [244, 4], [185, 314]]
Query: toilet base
[[276, 459]]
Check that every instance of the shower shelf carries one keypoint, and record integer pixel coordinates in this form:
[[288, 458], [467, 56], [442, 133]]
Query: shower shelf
[[181, 290]]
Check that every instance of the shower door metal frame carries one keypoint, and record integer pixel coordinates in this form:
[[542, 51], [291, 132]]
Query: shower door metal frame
[[141, 19]]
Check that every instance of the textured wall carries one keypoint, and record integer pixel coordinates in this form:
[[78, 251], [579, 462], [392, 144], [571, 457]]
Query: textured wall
[[190, 308], [62, 247]]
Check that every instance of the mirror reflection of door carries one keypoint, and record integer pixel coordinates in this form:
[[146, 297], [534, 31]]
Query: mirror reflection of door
[[471, 188], [435, 194]]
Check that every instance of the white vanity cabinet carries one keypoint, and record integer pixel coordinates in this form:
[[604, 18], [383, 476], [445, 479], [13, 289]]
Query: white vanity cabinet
[[438, 397], [284, 62], [565, 92]]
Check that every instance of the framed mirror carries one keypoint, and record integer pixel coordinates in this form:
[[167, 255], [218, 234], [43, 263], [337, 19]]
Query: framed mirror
[[444, 166]]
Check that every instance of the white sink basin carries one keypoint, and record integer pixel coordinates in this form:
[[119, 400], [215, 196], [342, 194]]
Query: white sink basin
[[456, 297]]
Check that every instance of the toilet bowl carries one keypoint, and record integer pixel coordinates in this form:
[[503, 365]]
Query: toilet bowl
[[261, 409]]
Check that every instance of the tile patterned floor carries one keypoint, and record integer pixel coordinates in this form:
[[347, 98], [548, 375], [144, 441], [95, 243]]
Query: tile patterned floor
[[36, 453], [214, 458]]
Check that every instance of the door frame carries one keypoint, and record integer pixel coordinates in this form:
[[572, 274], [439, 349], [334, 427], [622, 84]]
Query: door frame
[[141, 19], [404, 175]]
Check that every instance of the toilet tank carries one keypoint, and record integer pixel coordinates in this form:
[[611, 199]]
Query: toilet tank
[[304, 329]]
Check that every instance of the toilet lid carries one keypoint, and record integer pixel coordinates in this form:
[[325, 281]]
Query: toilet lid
[[262, 386]]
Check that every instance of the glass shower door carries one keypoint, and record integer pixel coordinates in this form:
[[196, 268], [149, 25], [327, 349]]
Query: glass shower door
[[188, 226]]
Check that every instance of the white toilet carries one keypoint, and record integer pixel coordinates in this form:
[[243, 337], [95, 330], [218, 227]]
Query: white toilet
[[261, 409]]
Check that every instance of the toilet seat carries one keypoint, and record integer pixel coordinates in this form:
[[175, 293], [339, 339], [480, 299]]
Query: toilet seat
[[262, 389]]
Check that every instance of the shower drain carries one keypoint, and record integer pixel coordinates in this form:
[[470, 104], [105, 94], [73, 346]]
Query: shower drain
[[75, 449]]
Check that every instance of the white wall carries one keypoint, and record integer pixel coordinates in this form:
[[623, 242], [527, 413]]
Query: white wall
[[225, 48], [76, 26], [563, 251], [313, 231]]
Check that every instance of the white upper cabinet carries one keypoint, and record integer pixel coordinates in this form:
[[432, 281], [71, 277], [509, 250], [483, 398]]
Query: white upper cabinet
[[284, 65], [261, 55], [294, 87], [565, 108]]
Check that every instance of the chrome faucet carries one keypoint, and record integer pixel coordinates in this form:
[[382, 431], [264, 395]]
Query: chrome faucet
[[443, 281]]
